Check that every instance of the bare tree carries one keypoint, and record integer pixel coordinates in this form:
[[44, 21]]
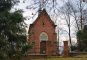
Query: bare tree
[[66, 13], [68, 10], [51, 5]]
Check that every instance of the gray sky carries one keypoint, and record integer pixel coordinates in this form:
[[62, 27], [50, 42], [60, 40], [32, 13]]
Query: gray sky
[[60, 22]]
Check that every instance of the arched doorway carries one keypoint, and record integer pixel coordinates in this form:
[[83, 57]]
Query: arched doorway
[[43, 39]]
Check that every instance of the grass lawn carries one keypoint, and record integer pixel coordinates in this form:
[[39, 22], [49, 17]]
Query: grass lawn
[[66, 59], [61, 59], [75, 57], [78, 57]]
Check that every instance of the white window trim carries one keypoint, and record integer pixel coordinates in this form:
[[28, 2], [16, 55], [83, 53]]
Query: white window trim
[[45, 35]]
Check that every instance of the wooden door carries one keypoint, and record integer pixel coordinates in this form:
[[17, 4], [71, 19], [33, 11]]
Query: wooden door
[[43, 47]]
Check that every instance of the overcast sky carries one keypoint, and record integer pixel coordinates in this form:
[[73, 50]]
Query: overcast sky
[[30, 12]]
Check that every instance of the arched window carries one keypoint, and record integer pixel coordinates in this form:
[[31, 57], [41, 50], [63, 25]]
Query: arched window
[[43, 36]]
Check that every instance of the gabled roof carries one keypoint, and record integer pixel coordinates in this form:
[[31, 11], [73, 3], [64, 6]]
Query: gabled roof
[[46, 14], [42, 12]]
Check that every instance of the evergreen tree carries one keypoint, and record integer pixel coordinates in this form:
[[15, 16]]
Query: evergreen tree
[[82, 36], [12, 28]]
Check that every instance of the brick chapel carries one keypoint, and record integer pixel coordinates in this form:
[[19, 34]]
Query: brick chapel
[[42, 34]]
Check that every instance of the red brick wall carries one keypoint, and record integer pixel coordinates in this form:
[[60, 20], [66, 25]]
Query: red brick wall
[[66, 49], [37, 28]]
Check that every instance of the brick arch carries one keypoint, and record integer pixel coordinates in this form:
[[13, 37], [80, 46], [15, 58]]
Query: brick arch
[[43, 36]]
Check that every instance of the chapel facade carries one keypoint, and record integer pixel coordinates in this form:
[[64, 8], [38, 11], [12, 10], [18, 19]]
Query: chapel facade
[[42, 34]]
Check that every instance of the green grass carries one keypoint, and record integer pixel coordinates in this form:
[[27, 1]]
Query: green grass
[[78, 57], [66, 59], [61, 59]]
